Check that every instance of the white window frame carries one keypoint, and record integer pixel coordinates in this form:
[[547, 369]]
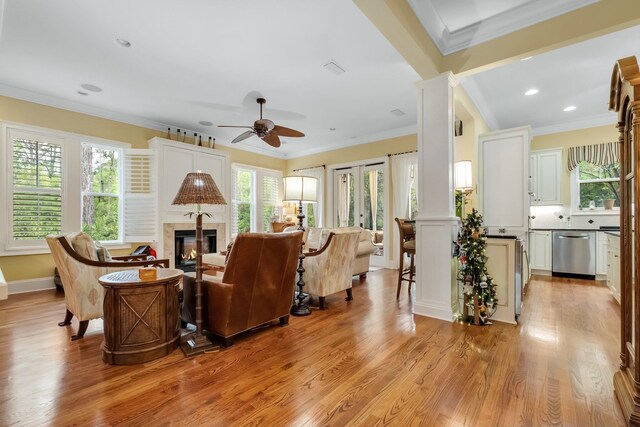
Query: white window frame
[[575, 196], [257, 196], [71, 191], [120, 195]]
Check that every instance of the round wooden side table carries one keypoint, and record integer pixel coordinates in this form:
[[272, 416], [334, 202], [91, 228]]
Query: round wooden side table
[[141, 321]]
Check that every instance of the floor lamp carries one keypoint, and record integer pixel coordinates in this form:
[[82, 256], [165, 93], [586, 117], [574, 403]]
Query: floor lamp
[[463, 181], [198, 189], [300, 189]]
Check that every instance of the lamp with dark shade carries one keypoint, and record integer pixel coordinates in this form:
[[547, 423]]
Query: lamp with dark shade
[[300, 189], [198, 188]]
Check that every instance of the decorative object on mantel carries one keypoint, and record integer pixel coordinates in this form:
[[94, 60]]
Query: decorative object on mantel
[[198, 188], [463, 184], [478, 286], [301, 189]]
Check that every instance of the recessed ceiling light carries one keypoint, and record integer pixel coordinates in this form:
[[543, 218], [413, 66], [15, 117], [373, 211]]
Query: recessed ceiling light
[[123, 42], [82, 93], [205, 123], [570, 108], [527, 58], [531, 92], [397, 112], [90, 87], [332, 129]]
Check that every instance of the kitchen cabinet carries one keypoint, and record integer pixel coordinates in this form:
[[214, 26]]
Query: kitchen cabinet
[[545, 168], [540, 250], [601, 253], [503, 180], [613, 265], [506, 265]]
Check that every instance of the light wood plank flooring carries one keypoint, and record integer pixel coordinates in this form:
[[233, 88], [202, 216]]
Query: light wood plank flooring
[[367, 362]]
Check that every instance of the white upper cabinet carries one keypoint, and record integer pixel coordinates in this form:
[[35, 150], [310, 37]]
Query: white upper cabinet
[[503, 184], [546, 177]]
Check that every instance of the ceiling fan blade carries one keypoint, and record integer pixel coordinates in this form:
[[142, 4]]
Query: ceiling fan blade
[[243, 136], [272, 139], [283, 131], [230, 126]]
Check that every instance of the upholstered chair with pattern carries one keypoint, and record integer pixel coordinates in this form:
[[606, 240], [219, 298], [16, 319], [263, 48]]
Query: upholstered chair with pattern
[[78, 261], [329, 269]]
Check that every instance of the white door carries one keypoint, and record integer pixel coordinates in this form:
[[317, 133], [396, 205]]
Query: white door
[[359, 201]]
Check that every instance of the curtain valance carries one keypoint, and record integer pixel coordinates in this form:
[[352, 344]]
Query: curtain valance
[[598, 154]]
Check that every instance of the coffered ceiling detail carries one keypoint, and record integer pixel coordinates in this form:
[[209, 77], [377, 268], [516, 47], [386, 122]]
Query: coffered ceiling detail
[[456, 25]]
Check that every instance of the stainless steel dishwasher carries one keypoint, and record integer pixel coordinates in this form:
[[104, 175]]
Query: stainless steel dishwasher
[[574, 254]]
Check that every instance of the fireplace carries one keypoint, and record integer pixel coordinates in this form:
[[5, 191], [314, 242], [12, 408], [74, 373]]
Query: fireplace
[[185, 247]]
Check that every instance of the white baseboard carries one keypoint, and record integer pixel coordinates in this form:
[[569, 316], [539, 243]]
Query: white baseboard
[[433, 309], [540, 272], [31, 285]]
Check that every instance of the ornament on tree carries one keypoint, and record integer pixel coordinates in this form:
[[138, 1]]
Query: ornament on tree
[[470, 250]]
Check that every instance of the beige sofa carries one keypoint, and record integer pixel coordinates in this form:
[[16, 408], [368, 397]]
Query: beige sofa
[[318, 236]]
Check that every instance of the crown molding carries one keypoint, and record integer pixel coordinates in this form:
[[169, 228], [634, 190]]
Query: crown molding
[[77, 107], [479, 100], [515, 19], [577, 124], [379, 136]]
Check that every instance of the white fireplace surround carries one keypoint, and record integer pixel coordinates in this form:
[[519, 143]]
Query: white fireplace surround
[[168, 236]]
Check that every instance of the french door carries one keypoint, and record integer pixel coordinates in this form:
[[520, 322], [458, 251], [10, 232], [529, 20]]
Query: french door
[[359, 201]]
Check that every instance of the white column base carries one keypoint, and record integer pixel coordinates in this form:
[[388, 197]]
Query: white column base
[[436, 285]]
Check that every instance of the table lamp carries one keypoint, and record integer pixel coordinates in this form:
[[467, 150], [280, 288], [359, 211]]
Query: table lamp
[[198, 188], [463, 180], [300, 189]]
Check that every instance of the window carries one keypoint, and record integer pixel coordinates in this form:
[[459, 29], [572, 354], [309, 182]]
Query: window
[[37, 188], [243, 201], [596, 185], [413, 195], [58, 183], [101, 192], [256, 199]]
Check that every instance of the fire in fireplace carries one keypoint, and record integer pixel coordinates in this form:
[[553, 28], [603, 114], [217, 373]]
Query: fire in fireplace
[[185, 250]]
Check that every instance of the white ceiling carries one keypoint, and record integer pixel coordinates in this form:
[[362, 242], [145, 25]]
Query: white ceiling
[[577, 75], [207, 60], [454, 25]]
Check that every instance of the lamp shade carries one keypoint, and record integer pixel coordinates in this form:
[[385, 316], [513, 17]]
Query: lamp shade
[[462, 175], [198, 188], [300, 189]]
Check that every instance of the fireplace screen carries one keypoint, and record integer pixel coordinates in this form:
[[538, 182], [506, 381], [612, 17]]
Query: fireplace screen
[[185, 250]]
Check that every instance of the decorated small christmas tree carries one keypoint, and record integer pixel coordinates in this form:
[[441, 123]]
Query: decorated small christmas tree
[[471, 251]]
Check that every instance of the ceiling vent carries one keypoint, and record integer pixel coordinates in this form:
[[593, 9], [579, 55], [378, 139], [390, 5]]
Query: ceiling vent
[[397, 112], [334, 67]]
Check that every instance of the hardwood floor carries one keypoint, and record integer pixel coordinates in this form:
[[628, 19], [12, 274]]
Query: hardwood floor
[[367, 362]]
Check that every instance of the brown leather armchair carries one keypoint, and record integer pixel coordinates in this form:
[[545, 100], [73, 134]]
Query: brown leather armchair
[[256, 288], [79, 271]]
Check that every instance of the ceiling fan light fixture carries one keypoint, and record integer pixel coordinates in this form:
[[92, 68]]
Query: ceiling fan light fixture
[[334, 67]]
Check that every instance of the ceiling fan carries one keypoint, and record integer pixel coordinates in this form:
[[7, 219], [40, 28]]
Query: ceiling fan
[[265, 129]]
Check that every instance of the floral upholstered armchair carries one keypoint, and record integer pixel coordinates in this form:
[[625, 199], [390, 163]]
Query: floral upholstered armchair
[[80, 263], [329, 269]]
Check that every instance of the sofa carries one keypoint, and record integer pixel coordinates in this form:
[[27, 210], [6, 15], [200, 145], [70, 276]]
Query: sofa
[[317, 237]]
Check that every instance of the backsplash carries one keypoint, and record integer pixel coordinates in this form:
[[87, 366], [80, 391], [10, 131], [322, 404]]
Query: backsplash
[[543, 217]]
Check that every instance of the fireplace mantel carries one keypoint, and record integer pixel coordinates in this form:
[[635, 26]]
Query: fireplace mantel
[[168, 233]]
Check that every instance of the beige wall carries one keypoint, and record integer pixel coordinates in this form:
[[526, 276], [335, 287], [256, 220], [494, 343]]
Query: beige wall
[[573, 138], [13, 110]]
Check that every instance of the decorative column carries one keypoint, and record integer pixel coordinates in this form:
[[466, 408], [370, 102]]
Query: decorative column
[[436, 223]]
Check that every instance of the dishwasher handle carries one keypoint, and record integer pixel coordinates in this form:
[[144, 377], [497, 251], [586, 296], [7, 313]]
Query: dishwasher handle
[[582, 236]]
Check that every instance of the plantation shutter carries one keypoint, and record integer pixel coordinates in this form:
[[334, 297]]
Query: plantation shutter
[[37, 186], [270, 200], [140, 196]]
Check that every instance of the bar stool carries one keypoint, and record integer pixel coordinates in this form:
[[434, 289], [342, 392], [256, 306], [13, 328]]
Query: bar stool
[[407, 246]]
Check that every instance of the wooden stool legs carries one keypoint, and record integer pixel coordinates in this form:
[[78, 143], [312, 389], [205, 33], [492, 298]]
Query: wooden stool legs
[[402, 273]]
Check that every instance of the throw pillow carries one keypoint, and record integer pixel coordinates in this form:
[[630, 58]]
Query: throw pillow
[[103, 253], [229, 246], [82, 243]]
